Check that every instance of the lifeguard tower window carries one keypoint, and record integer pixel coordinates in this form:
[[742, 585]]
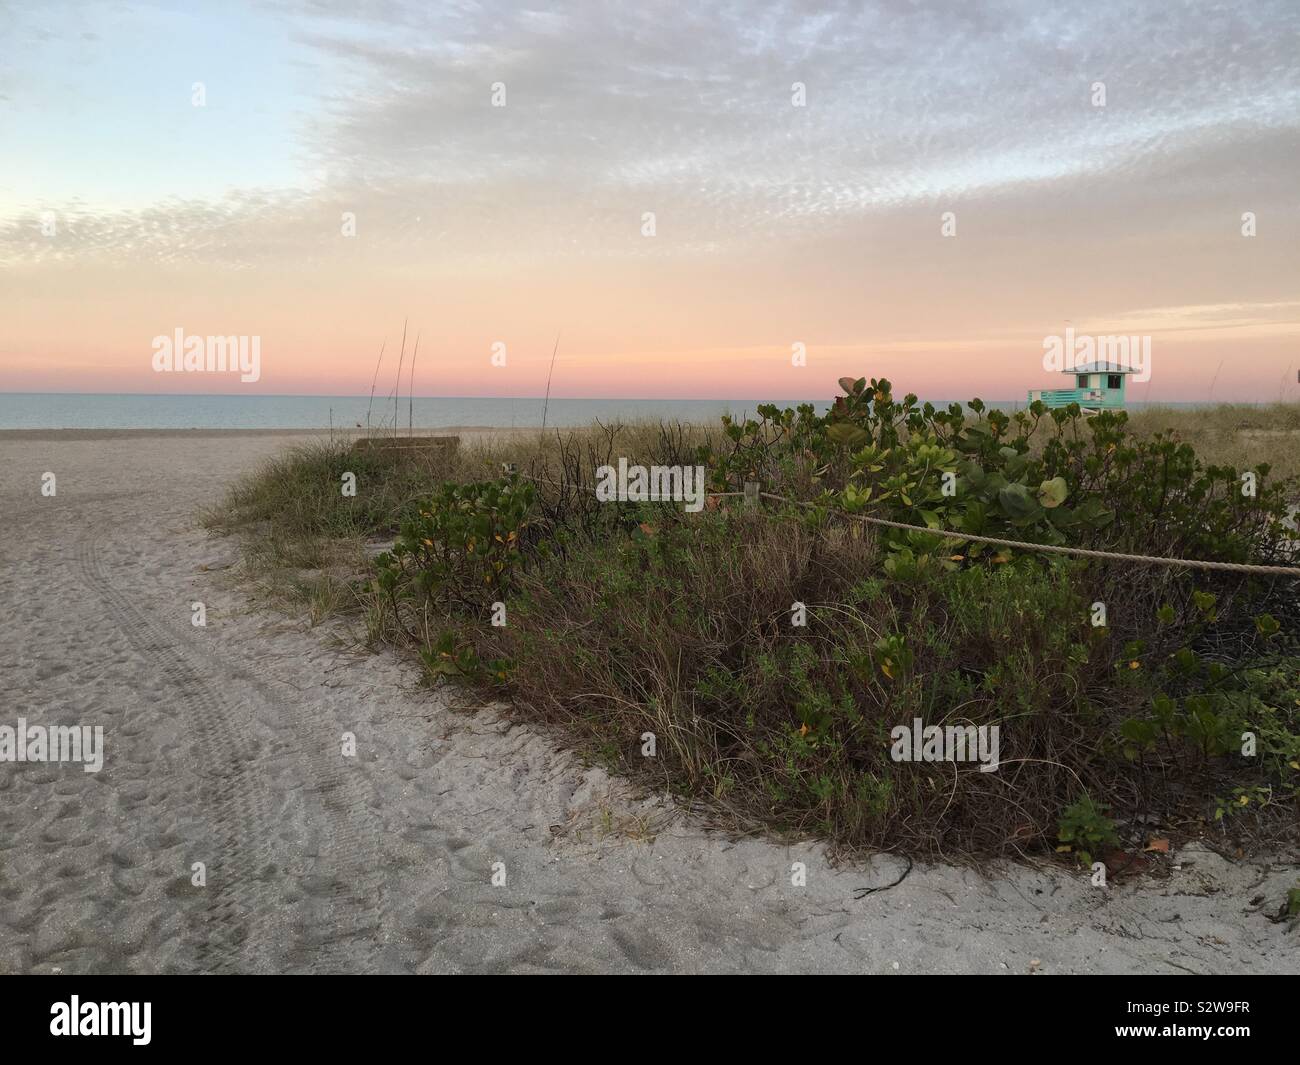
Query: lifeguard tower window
[[1082, 380], [1114, 380]]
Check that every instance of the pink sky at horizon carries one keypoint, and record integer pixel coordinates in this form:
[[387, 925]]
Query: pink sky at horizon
[[1254, 361], [763, 374], [693, 340]]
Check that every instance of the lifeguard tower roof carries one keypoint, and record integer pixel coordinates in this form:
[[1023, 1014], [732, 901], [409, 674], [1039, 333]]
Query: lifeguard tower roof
[[1100, 367]]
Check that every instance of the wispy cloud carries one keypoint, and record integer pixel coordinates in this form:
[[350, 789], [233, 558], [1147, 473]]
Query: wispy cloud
[[613, 111]]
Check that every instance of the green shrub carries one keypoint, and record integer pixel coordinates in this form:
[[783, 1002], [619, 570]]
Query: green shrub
[[1090, 483], [460, 548], [1085, 828]]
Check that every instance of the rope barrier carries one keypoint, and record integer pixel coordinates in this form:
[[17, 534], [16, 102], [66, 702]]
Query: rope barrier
[[1083, 552], [1023, 545]]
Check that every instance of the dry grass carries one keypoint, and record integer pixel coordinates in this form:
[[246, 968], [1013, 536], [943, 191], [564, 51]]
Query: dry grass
[[1233, 435]]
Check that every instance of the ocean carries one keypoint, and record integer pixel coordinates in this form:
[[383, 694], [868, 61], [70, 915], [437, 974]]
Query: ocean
[[71, 410], [85, 411]]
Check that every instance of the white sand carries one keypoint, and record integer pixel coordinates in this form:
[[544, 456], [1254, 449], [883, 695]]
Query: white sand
[[223, 746]]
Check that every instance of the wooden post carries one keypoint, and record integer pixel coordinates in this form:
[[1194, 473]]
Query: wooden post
[[751, 493]]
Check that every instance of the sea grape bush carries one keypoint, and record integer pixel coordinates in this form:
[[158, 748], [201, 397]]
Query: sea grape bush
[[459, 549], [457, 555], [451, 655], [1089, 483]]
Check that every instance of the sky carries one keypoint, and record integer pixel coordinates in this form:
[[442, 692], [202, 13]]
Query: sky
[[687, 195]]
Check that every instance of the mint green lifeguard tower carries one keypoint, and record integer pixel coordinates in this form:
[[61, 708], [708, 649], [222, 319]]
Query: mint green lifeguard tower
[[1098, 386]]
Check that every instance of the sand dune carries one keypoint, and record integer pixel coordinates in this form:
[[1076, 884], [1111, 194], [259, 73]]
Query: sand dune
[[222, 746]]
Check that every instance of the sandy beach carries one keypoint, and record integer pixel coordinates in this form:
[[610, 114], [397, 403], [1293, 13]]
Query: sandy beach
[[222, 745]]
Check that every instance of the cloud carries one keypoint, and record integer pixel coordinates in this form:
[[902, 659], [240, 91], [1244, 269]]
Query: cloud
[[239, 230], [687, 112]]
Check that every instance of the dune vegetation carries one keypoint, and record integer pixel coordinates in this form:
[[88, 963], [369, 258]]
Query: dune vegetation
[[759, 659]]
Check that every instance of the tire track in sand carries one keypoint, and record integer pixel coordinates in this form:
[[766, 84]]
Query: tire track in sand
[[335, 921], [337, 927], [237, 810]]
